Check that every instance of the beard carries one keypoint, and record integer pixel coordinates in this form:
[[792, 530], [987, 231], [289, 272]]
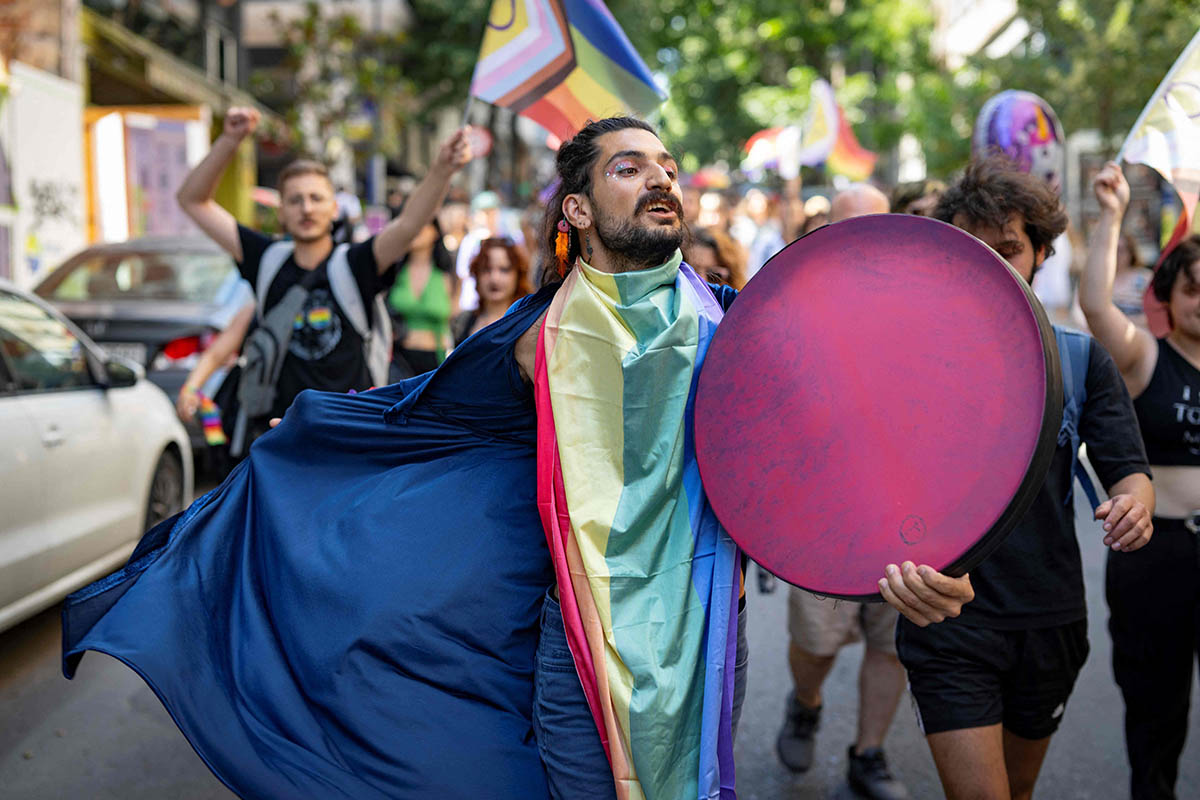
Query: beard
[[638, 246]]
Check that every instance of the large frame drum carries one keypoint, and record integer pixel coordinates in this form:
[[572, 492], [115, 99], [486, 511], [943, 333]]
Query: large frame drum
[[886, 389]]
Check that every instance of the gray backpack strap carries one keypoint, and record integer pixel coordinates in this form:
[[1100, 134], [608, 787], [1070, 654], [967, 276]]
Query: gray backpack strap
[[1074, 352], [269, 265], [263, 353], [345, 290], [376, 329], [379, 349]]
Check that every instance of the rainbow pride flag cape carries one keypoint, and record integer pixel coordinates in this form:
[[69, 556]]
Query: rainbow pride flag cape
[[561, 63], [647, 577]]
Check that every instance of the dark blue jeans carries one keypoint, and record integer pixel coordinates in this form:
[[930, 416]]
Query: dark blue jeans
[[567, 738]]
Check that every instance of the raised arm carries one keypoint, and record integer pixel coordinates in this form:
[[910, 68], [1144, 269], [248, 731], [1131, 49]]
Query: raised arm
[[791, 209], [392, 243], [1133, 349], [195, 195]]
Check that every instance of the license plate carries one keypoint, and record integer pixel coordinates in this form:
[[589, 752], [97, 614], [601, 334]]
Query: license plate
[[131, 351]]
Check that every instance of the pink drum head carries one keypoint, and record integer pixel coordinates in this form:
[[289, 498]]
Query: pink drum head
[[885, 389]]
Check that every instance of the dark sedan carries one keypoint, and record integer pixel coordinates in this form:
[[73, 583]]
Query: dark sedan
[[156, 301]]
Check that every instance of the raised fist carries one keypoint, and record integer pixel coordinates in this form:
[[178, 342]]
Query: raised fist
[[1112, 191], [240, 122], [455, 152]]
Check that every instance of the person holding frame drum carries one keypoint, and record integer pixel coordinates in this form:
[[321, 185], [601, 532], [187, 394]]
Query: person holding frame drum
[[991, 686]]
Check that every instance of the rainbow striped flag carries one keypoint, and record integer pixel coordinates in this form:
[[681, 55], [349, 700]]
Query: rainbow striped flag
[[561, 63], [210, 421], [848, 157], [648, 579]]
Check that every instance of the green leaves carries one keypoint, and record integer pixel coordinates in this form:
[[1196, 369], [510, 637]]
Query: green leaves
[[738, 66]]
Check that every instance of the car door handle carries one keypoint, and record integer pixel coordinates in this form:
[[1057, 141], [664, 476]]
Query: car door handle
[[52, 437]]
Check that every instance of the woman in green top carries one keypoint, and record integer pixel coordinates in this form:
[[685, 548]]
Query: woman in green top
[[422, 301]]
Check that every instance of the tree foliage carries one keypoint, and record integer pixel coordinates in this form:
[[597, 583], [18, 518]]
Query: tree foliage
[[737, 66], [338, 78]]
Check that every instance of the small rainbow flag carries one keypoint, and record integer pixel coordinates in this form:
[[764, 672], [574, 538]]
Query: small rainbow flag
[[319, 317], [561, 63], [848, 157], [210, 421]]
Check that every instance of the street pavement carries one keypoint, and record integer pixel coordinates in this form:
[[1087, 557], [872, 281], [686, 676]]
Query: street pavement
[[105, 735]]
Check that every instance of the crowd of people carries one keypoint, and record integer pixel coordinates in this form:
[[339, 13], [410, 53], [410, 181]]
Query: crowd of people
[[990, 660]]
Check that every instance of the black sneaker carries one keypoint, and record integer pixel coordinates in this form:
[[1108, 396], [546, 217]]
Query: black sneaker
[[869, 775], [795, 742]]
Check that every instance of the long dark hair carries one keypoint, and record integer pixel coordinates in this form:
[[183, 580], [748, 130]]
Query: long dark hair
[[574, 165]]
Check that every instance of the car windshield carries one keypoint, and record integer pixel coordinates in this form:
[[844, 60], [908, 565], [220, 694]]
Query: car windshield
[[193, 277]]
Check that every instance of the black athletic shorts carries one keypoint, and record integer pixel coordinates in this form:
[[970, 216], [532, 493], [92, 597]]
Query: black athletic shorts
[[965, 677]]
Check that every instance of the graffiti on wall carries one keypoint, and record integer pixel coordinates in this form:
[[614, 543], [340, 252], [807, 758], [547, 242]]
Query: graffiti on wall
[[50, 201]]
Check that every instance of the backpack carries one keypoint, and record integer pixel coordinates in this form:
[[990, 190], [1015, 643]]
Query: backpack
[[262, 358], [266, 346], [1074, 352], [375, 330]]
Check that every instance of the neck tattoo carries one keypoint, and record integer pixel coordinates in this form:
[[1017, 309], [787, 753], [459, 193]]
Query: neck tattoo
[[587, 245]]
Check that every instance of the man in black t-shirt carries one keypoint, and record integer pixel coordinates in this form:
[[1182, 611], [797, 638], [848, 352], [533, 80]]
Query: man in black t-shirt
[[325, 351], [991, 686]]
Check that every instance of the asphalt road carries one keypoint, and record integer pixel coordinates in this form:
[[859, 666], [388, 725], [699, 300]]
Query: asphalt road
[[105, 735]]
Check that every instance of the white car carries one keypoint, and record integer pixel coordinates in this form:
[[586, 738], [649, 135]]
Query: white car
[[91, 456]]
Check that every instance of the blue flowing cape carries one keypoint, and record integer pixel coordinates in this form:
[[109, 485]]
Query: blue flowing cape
[[353, 613]]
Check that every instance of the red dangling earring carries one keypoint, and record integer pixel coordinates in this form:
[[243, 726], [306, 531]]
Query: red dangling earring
[[562, 244]]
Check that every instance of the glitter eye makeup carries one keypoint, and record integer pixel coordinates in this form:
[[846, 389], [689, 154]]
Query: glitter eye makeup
[[621, 169], [633, 165]]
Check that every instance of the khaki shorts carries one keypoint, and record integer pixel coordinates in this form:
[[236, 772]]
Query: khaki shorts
[[822, 626]]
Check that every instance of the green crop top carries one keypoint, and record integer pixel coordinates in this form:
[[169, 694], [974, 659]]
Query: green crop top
[[430, 311]]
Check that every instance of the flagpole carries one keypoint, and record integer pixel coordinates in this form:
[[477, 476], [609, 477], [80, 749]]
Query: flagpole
[[470, 96], [1145, 111]]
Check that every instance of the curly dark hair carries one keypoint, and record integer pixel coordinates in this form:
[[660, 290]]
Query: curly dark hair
[[1180, 259], [574, 163], [993, 188]]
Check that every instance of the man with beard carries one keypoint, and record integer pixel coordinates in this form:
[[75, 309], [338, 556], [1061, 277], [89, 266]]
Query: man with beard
[[325, 351], [292, 624], [623, 691]]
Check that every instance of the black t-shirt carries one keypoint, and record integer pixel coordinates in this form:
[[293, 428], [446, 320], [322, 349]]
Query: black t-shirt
[[1169, 410], [1035, 579], [325, 352]]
